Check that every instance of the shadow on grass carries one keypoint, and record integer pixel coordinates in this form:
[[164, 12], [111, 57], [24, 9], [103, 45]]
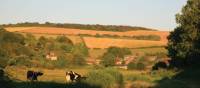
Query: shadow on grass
[[46, 85], [188, 78]]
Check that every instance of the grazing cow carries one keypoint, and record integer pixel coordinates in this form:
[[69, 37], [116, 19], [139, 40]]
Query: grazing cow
[[31, 75], [73, 77]]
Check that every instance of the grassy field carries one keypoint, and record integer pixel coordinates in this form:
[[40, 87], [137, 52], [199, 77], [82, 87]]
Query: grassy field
[[50, 75], [95, 53], [140, 79]]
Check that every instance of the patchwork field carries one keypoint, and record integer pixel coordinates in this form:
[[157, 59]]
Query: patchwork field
[[52, 30]]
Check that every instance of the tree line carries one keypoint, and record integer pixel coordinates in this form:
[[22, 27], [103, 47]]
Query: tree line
[[78, 26]]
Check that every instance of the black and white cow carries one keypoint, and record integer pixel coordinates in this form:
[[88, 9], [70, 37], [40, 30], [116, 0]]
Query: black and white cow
[[32, 75], [73, 77]]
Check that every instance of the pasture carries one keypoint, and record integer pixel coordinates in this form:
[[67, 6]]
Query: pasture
[[56, 77]]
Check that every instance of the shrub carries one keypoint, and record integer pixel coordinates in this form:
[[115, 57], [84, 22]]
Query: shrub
[[117, 76], [142, 84], [112, 53], [62, 62], [136, 66], [100, 78], [20, 61], [80, 49], [147, 37], [108, 60], [78, 60], [140, 66], [67, 48], [105, 78], [138, 77], [131, 66], [64, 39], [163, 73]]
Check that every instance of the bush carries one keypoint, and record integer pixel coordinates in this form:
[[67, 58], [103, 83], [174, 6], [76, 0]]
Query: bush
[[64, 39], [147, 37], [62, 62], [163, 73], [105, 78], [78, 60], [136, 66], [108, 60], [80, 49], [140, 66], [112, 53], [131, 66], [67, 48], [138, 77], [117, 76], [20, 61], [100, 78]]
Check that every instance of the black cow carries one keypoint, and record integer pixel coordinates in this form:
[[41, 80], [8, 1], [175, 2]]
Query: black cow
[[73, 77], [32, 75]]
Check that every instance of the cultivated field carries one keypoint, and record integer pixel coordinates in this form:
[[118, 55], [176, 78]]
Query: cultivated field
[[103, 43], [51, 30], [16, 29]]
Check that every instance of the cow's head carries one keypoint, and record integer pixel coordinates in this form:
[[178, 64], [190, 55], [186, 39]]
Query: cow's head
[[67, 73], [39, 73]]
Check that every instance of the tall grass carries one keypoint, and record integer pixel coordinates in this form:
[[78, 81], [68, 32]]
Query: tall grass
[[105, 78]]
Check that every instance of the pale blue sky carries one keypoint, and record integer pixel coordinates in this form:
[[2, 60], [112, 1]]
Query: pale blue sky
[[159, 14]]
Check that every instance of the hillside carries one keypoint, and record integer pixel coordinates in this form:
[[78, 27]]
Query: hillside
[[53, 30], [93, 42]]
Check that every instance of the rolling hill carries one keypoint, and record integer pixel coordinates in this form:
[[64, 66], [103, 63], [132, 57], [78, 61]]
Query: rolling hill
[[93, 42]]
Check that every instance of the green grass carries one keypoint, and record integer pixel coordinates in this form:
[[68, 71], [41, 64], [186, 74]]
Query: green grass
[[55, 78]]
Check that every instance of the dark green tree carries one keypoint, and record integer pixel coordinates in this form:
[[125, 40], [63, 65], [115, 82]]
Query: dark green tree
[[184, 41], [80, 49], [78, 60], [41, 43], [119, 52], [109, 58], [64, 39]]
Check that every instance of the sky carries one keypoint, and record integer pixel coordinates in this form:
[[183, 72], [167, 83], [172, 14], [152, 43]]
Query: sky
[[157, 14]]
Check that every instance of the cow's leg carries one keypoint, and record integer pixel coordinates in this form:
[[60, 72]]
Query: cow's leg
[[68, 80]]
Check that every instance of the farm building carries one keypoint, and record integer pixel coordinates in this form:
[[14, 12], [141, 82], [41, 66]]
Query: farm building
[[51, 56]]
